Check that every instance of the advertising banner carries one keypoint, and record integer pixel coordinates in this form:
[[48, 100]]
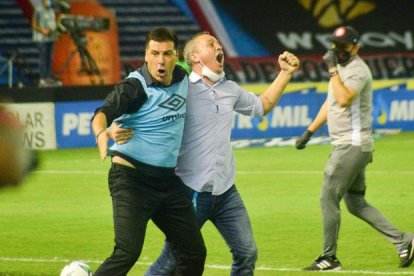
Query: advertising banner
[[292, 115], [264, 70], [39, 121], [73, 124], [394, 109], [68, 124], [254, 33], [304, 26]]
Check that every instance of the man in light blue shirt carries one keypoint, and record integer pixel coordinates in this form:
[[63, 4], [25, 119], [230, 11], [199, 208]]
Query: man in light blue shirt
[[205, 162]]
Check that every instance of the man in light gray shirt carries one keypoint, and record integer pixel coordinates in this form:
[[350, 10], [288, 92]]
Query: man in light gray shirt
[[347, 110], [206, 162]]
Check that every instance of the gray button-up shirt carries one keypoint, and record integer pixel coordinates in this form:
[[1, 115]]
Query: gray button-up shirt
[[206, 162]]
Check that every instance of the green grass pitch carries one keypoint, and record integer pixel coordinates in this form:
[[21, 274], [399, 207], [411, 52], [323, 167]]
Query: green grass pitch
[[62, 212]]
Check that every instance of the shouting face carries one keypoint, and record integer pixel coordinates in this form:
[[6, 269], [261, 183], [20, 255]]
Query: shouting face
[[161, 58], [209, 52]]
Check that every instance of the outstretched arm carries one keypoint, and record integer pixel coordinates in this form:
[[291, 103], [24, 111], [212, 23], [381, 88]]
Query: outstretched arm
[[289, 64], [317, 123]]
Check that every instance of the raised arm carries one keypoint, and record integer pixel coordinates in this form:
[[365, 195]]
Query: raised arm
[[289, 64]]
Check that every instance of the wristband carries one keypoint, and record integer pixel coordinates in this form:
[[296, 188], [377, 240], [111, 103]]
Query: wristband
[[334, 73], [99, 133]]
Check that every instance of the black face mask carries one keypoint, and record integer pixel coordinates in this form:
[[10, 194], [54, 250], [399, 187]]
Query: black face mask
[[342, 56]]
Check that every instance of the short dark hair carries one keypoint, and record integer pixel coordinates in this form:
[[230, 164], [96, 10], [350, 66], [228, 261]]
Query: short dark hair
[[162, 35]]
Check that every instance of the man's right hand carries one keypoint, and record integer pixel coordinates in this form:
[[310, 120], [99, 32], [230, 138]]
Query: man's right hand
[[303, 140], [288, 62]]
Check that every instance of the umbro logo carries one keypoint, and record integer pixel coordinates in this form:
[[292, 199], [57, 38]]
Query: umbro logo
[[175, 102]]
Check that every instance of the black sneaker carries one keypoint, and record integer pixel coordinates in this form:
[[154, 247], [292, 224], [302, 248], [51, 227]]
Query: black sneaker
[[407, 255], [325, 263]]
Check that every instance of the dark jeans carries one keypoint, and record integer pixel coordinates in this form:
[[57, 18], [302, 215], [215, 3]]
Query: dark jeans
[[229, 215], [137, 197]]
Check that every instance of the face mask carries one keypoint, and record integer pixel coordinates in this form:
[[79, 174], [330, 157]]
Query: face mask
[[342, 56], [211, 75]]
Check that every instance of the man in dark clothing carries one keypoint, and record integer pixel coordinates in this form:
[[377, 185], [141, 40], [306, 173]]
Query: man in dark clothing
[[151, 102]]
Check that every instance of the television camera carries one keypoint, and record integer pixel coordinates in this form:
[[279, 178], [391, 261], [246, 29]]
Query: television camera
[[75, 26], [84, 23]]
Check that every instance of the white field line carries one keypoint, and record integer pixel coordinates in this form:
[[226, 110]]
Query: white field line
[[238, 172], [69, 172], [212, 266]]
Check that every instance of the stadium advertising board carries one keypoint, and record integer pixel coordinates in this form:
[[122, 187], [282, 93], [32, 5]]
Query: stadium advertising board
[[312, 68], [294, 112], [254, 33], [67, 124], [382, 24], [73, 124], [393, 108], [39, 121]]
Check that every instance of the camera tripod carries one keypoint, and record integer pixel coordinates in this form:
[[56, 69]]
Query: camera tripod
[[88, 64]]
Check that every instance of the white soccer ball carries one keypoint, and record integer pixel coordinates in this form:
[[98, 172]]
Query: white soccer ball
[[76, 268]]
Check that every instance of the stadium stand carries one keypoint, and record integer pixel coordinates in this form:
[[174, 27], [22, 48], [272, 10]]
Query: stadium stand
[[16, 35], [134, 18]]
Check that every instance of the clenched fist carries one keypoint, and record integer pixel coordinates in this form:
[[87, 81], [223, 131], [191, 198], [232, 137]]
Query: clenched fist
[[288, 62]]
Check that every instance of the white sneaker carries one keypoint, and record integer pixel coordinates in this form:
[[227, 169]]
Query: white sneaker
[[407, 255]]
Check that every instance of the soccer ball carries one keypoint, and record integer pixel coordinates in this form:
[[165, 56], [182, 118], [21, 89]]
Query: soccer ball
[[76, 268]]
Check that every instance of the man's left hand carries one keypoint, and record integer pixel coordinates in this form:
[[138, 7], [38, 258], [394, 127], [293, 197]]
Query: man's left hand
[[118, 134], [330, 59], [288, 62]]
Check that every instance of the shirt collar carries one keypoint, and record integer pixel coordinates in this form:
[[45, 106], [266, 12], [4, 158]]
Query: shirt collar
[[194, 77], [146, 74], [178, 75]]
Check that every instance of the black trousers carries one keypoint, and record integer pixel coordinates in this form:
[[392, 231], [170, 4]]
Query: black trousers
[[139, 195]]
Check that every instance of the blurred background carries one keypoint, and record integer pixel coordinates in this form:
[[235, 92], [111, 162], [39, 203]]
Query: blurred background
[[100, 42]]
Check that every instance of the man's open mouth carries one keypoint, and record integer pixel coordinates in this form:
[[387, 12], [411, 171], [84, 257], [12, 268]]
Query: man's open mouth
[[161, 72], [220, 58]]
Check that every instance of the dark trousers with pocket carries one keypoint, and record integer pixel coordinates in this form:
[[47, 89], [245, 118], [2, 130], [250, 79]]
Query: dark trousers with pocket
[[139, 195]]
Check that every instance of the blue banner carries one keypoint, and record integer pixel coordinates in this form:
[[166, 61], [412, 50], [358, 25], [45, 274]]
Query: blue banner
[[393, 108], [73, 124], [291, 116]]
